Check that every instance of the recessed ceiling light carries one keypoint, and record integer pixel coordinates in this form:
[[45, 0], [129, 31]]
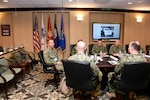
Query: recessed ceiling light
[[69, 0], [129, 3], [5, 0]]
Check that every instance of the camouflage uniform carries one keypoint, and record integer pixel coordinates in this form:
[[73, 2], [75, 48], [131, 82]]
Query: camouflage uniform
[[97, 49], [115, 49], [50, 56], [120, 65], [83, 57], [73, 50]]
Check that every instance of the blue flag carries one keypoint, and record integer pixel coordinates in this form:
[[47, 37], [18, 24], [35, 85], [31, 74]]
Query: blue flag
[[62, 36], [56, 37]]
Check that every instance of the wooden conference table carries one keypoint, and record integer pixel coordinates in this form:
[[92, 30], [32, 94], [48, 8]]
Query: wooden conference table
[[105, 68], [105, 63]]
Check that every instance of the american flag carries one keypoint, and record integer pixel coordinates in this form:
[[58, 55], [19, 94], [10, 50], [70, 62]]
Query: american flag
[[36, 36]]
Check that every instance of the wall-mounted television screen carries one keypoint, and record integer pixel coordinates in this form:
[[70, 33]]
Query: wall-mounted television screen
[[106, 31]]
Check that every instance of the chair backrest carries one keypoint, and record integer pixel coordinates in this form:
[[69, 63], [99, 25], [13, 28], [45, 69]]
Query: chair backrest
[[90, 48], [108, 47], [1, 49], [135, 76], [4, 63], [40, 54], [17, 56], [126, 48], [78, 74], [147, 49], [71, 47], [48, 68]]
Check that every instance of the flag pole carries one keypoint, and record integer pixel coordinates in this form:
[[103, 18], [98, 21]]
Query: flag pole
[[62, 14]]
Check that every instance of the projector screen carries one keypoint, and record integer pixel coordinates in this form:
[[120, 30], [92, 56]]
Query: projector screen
[[105, 31]]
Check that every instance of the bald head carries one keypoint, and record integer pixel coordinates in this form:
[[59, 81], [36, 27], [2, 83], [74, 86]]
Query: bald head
[[134, 46], [80, 47]]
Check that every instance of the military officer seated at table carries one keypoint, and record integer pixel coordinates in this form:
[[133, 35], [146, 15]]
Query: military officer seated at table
[[116, 48]]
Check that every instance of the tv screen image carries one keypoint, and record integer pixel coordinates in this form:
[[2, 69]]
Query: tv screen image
[[106, 31]]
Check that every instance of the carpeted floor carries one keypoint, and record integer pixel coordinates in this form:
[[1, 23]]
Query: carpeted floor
[[32, 88]]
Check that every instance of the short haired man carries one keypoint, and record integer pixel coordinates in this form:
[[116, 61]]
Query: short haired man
[[116, 48], [50, 55], [134, 56], [80, 56], [99, 47], [73, 51]]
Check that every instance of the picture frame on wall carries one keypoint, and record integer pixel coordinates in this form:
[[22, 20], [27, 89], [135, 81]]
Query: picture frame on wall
[[5, 29]]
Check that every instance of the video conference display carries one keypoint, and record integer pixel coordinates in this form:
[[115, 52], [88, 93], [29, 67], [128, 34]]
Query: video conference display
[[105, 31]]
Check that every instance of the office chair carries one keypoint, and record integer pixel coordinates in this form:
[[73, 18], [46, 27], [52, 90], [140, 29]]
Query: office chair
[[79, 75], [147, 49], [50, 68], [108, 47], [71, 48], [135, 77], [1, 49], [90, 48], [126, 48]]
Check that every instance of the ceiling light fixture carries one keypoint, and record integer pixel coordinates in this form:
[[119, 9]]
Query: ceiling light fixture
[[69, 0], [5, 0], [129, 3]]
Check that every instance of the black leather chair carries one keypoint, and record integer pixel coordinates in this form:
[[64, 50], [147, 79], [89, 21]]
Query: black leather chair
[[126, 48], [147, 49], [90, 48], [71, 47], [1, 49], [79, 75], [135, 77], [50, 68], [108, 47]]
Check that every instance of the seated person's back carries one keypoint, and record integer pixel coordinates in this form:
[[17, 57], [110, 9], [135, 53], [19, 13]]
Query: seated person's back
[[80, 56]]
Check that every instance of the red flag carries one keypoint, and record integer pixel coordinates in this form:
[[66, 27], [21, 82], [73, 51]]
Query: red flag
[[49, 30], [36, 36]]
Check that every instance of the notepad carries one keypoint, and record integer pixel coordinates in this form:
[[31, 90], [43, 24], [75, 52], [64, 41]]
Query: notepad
[[148, 56], [112, 62], [99, 58], [114, 58]]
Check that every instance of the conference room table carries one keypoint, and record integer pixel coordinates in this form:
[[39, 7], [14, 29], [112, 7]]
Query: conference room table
[[105, 68], [105, 63]]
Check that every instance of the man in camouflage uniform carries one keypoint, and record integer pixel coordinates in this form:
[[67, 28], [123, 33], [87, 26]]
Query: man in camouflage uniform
[[80, 56], [74, 48], [50, 55], [116, 48], [99, 47], [134, 56]]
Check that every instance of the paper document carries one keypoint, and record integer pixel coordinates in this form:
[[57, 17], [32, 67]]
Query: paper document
[[113, 62], [114, 58]]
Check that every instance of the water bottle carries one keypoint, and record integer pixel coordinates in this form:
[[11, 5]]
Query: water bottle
[[4, 49], [101, 54], [120, 54], [95, 57]]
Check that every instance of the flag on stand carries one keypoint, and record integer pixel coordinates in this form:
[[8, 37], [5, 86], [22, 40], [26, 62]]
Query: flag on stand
[[49, 29], [62, 36], [43, 35], [56, 36], [36, 36]]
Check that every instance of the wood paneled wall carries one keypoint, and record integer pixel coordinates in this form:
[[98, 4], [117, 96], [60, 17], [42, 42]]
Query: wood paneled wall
[[22, 27]]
